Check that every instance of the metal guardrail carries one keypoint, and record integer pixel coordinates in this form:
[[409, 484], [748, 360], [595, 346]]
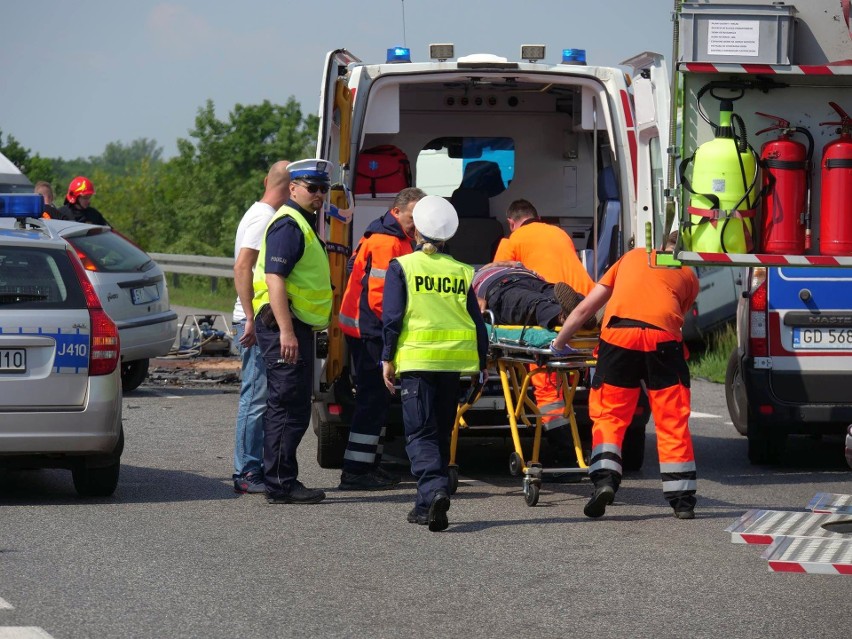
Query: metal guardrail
[[195, 264]]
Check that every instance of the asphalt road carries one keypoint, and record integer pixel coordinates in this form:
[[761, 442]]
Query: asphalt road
[[175, 553]]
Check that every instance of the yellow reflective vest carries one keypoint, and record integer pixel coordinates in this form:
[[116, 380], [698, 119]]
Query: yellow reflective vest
[[438, 333], [308, 284]]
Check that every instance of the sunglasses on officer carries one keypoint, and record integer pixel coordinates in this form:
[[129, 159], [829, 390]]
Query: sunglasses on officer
[[313, 188]]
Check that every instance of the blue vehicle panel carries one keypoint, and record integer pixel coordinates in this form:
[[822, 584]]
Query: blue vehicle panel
[[830, 289]]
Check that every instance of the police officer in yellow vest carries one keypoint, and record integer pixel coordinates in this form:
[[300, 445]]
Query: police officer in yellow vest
[[432, 332], [292, 299]]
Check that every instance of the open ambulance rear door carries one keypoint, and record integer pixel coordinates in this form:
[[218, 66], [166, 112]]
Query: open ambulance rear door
[[334, 144], [652, 113]]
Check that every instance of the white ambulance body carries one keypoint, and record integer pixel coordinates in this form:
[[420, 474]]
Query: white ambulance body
[[584, 144]]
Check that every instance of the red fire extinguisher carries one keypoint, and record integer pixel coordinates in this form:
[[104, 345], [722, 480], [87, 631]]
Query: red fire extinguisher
[[785, 206], [835, 227]]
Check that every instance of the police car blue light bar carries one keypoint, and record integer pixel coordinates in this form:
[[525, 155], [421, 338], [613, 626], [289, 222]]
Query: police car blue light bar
[[573, 56], [399, 54], [21, 205]]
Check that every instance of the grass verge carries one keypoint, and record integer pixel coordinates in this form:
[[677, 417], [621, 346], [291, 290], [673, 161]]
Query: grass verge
[[195, 291], [710, 359]]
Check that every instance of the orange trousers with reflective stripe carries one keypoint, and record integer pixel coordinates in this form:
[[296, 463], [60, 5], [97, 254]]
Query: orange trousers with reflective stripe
[[626, 358], [549, 398]]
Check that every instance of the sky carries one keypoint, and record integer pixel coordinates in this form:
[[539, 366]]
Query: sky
[[78, 74]]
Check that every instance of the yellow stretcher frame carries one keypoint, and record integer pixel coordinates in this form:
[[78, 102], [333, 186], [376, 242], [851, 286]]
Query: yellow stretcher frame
[[516, 365]]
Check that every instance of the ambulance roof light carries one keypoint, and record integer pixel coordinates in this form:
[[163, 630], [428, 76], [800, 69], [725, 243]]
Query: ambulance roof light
[[399, 54], [442, 52], [574, 56], [532, 52], [21, 205]]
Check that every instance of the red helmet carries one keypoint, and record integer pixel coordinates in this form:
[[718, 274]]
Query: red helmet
[[80, 186]]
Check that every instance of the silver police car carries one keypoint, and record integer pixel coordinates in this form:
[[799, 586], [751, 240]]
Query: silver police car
[[60, 384]]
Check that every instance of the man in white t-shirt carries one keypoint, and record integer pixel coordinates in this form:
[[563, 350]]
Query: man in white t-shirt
[[248, 443]]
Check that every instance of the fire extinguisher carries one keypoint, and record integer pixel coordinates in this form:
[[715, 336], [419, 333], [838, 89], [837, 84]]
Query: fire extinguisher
[[835, 210], [785, 205]]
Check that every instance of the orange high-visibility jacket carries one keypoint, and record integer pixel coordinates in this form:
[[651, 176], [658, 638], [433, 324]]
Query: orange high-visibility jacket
[[361, 308]]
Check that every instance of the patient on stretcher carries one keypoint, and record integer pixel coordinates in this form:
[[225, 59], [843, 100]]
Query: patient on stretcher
[[518, 296]]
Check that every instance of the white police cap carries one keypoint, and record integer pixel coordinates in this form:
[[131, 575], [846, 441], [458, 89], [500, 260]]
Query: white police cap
[[315, 171], [435, 218]]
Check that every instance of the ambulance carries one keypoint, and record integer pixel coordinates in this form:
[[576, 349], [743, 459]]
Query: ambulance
[[585, 144], [764, 166]]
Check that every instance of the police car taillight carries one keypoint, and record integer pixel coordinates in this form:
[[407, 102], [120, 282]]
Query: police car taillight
[[21, 205], [757, 320], [104, 346]]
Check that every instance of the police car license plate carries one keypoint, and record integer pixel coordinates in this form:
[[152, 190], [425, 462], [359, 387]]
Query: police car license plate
[[824, 339], [13, 360], [145, 294]]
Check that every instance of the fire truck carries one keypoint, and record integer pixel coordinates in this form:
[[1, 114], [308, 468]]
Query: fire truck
[[762, 159], [586, 144]]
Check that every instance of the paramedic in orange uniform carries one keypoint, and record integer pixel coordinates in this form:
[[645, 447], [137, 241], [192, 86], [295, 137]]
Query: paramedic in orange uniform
[[360, 319], [550, 252], [640, 340]]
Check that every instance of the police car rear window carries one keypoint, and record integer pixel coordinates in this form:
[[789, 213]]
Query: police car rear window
[[38, 278], [110, 253]]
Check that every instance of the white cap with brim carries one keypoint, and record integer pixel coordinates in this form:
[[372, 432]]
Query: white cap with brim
[[312, 171], [435, 218]]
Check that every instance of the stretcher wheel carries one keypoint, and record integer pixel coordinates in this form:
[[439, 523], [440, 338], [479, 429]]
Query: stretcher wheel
[[515, 464], [531, 494], [453, 476]]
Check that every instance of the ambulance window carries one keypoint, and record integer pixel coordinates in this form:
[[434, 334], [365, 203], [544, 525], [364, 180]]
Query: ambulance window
[[484, 164]]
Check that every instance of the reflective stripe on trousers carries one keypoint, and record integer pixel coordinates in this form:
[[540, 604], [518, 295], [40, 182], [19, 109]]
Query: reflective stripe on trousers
[[656, 358], [367, 428]]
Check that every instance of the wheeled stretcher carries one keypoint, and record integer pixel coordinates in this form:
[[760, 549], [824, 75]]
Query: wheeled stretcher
[[517, 354]]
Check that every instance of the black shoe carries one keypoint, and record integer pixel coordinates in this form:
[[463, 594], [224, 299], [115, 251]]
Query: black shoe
[[367, 481], [417, 517], [601, 498], [386, 474], [251, 483], [438, 512], [685, 514], [298, 494]]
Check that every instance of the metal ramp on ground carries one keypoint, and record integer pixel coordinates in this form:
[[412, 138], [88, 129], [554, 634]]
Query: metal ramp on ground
[[764, 526], [832, 503], [809, 555]]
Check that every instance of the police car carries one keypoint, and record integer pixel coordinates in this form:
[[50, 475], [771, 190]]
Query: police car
[[132, 289], [60, 381]]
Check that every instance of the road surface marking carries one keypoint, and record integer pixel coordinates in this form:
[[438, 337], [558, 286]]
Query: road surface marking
[[23, 632], [5, 605], [695, 415]]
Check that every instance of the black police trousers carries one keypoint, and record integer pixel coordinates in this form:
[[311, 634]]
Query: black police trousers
[[429, 403], [288, 405]]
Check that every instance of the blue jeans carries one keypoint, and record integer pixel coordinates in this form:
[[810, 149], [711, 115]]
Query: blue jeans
[[248, 441]]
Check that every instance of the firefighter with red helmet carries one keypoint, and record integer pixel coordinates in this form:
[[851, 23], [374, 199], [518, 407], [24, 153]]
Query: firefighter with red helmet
[[78, 206]]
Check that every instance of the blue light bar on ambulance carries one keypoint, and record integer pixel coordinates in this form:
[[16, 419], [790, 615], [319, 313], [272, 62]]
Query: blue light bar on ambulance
[[399, 54], [573, 56], [21, 205]]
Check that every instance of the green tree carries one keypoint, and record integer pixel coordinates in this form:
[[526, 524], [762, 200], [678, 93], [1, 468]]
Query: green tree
[[34, 167], [219, 173]]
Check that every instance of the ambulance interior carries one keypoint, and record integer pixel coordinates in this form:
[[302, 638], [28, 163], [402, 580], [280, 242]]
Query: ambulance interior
[[485, 141]]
